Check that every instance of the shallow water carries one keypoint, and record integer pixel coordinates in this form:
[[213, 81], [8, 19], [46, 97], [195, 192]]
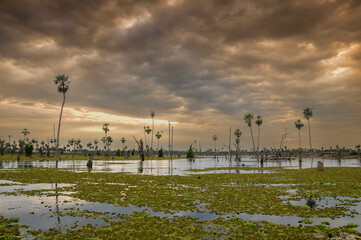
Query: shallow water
[[178, 166], [45, 212]]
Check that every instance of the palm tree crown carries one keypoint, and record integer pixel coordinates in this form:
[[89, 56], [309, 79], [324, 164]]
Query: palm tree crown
[[215, 137], [259, 120], [25, 132], [158, 135], [147, 129], [237, 133], [61, 81], [248, 119], [307, 112], [106, 128], [299, 124]]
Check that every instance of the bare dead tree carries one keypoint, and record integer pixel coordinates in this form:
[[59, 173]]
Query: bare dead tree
[[283, 140], [140, 148]]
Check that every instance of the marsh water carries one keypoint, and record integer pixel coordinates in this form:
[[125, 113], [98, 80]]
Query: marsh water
[[50, 212], [46, 211], [178, 166]]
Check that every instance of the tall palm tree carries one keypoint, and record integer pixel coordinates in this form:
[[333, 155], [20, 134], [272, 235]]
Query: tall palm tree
[[123, 141], [106, 129], [109, 140], [248, 120], [158, 135], [299, 125], [307, 113], [238, 134], [152, 114], [259, 122], [62, 82], [215, 138], [147, 130], [96, 144]]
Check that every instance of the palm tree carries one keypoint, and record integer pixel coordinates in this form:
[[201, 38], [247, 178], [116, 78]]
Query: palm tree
[[62, 82], [158, 135], [259, 122], [123, 141], [147, 130], [109, 140], [307, 113], [25, 132], [106, 129], [248, 120], [215, 138], [238, 134], [96, 144], [299, 125], [152, 114]]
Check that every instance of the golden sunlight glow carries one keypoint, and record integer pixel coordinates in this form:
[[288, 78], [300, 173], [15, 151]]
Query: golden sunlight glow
[[83, 114], [337, 65], [131, 22]]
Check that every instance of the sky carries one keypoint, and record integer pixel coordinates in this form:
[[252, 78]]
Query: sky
[[200, 64]]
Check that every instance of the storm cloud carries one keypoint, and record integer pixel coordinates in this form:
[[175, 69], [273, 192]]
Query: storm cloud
[[202, 64]]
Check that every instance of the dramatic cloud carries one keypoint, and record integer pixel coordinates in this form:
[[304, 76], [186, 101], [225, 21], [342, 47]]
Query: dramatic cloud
[[200, 64]]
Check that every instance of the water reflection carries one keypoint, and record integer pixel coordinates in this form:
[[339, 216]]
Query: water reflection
[[178, 166]]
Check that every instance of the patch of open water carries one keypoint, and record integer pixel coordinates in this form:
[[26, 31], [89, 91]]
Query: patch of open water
[[177, 166], [45, 212]]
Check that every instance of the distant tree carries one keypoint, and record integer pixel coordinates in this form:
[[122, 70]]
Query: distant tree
[[248, 120], [109, 141], [2, 147], [160, 153], [307, 113], [215, 138], [89, 145], [259, 122], [158, 135], [190, 153], [238, 134], [96, 145], [106, 129], [62, 82], [147, 130], [299, 125], [25, 132], [123, 141], [72, 143], [152, 114], [140, 148]]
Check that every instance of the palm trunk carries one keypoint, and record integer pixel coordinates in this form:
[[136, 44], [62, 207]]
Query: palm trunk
[[169, 140], [151, 145], [57, 139], [215, 148], [309, 133], [259, 132], [254, 148], [172, 144], [145, 139], [299, 137], [229, 144]]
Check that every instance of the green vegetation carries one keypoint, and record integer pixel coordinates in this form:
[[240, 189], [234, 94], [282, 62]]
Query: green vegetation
[[218, 193], [9, 229]]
